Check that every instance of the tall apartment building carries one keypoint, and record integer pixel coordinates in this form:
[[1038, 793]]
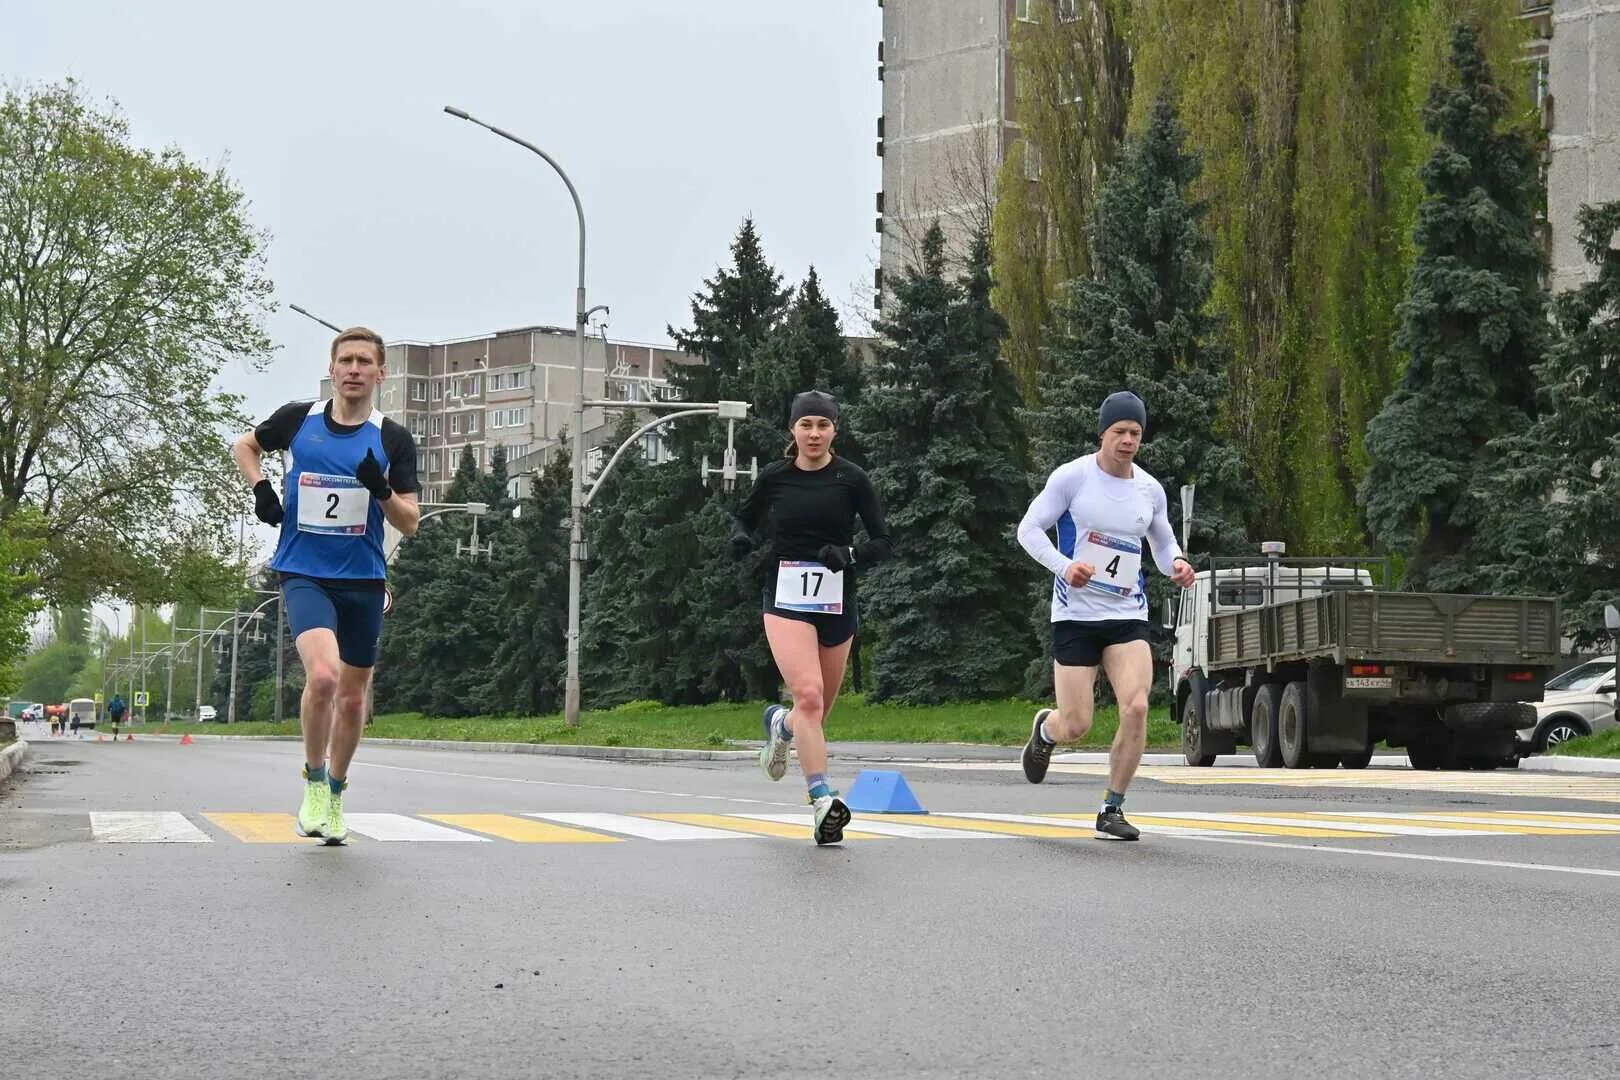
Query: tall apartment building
[[946, 70], [1575, 72], [515, 389]]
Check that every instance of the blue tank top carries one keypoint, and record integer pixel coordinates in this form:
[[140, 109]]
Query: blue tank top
[[333, 527]]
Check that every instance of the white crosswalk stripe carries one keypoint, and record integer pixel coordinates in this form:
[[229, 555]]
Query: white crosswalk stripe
[[645, 828], [910, 829], [398, 827], [145, 827]]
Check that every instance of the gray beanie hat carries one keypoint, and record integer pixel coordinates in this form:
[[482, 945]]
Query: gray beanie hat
[[1121, 405], [813, 403]]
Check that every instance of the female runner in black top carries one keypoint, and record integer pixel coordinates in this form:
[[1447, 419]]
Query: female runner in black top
[[811, 499]]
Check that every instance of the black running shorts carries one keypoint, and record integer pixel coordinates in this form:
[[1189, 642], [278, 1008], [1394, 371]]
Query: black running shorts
[[831, 630], [1081, 644]]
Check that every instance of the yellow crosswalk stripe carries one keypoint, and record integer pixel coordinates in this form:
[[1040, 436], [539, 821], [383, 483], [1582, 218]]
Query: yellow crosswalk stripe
[[258, 828], [522, 830], [1009, 828], [754, 825], [1217, 825], [1433, 821]]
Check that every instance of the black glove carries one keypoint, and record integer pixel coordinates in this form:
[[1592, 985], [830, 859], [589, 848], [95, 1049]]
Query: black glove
[[740, 547], [371, 475], [267, 504], [835, 557]]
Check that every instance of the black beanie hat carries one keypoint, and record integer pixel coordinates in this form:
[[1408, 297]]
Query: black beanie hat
[[1121, 405], [813, 403]]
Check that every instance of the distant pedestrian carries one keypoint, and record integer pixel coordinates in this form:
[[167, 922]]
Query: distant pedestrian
[[75, 725], [115, 712]]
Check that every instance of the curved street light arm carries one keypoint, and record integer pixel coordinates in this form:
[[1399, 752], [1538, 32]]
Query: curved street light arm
[[639, 432]]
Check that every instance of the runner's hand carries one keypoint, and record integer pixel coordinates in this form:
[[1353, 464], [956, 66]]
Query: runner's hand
[[834, 557], [1182, 573], [1079, 573], [267, 504], [370, 474]]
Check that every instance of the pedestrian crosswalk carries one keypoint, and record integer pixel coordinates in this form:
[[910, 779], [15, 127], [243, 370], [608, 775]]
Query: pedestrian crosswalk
[[1502, 782], [582, 827]]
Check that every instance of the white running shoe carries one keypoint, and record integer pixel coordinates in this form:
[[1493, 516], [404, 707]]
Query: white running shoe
[[773, 756]]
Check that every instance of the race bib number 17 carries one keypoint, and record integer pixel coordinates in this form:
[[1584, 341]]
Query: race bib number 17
[[1118, 561], [809, 586], [334, 505]]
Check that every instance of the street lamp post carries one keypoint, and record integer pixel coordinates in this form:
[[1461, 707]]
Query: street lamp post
[[576, 499]]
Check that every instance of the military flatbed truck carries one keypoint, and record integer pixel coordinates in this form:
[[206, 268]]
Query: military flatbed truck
[[1313, 662]]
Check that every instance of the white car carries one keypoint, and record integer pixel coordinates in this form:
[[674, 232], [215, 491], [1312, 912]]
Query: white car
[[1578, 702], [206, 713]]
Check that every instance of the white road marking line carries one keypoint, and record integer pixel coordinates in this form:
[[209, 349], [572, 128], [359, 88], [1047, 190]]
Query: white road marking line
[[1394, 827], [645, 828], [400, 827], [906, 830], [1506, 821], [1086, 829], [582, 787], [145, 827], [1379, 853]]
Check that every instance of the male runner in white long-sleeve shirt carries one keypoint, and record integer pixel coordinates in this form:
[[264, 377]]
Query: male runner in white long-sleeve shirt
[[1103, 506]]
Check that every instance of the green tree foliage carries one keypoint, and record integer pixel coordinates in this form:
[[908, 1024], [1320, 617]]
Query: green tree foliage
[[1551, 508], [445, 627], [21, 547], [941, 421], [47, 674], [1073, 86], [129, 279], [1307, 120], [1473, 326], [531, 566]]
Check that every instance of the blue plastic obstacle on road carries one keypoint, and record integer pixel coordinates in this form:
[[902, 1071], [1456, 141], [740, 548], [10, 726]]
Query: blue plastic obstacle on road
[[882, 791]]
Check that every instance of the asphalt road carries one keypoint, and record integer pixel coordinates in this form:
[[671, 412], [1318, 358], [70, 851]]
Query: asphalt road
[[1263, 938]]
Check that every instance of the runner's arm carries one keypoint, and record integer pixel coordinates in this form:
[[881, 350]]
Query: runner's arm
[[274, 434], [746, 521], [1042, 514], [878, 545], [249, 458], [403, 512], [404, 509], [1161, 537]]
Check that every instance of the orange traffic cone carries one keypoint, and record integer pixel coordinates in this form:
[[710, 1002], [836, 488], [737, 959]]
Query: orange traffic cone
[[185, 740]]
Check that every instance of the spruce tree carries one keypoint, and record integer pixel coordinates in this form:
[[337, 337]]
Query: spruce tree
[[1552, 505], [1140, 323], [528, 667], [1473, 326], [943, 446]]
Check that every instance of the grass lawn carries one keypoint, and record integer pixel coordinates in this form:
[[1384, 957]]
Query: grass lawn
[[1603, 744], [1004, 723]]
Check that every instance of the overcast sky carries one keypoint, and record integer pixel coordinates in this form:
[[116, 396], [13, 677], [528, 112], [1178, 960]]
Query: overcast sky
[[674, 119]]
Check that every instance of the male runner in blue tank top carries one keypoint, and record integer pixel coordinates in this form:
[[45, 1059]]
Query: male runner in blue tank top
[[1103, 505], [349, 468]]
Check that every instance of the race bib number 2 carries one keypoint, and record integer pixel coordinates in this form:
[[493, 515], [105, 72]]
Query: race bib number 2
[[1118, 561], [334, 505], [809, 586]]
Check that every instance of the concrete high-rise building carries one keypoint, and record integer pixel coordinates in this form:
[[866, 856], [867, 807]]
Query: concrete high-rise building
[[1575, 76], [514, 389], [946, 69]]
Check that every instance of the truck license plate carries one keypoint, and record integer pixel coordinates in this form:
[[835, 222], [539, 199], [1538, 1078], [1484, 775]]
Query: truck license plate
[[1377, 683]]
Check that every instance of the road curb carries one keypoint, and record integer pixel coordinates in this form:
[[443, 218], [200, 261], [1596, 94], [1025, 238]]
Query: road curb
[[1602, 766], [11, 758], [605, 753]]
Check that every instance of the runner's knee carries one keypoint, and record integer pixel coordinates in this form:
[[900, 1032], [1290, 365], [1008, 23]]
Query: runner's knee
[[322, 680], [1134, 709], [1075, 723], [350, 702], [808, 704]]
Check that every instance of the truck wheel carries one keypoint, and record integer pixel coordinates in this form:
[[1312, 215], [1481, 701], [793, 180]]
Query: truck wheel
[[1427, 756], [1358, 760], [1291, 727], [1325, 761], [1193, 735], [1263, 727]]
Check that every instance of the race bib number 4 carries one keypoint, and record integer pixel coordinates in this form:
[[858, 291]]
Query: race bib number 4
[[1118, 561], [809, 586], [334, 505]]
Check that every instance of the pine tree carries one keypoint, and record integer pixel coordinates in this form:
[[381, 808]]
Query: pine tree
[[1551, 505], [531, 565], [1140, 323], [948, 611], [1472, 327]]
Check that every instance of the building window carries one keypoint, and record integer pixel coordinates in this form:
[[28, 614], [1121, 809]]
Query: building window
[[455, 424], [472, 423], [418, 392], [436, 428], [1032, 160], [438, 390], [1022, 11], [1068, 10], [470, 385], [520, 379], [388, 399]]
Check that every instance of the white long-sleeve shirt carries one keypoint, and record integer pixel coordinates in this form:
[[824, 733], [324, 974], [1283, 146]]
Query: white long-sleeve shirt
[[1102, 520]]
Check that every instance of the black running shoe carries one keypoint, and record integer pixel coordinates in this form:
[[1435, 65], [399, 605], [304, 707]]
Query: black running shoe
[[1111, 825], [1037, 752]]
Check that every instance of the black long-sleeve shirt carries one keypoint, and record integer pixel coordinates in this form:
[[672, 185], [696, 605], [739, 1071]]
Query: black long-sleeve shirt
[[809, 509]]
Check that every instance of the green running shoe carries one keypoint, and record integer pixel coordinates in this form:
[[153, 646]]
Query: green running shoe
[[312, 814], [337, 830]]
